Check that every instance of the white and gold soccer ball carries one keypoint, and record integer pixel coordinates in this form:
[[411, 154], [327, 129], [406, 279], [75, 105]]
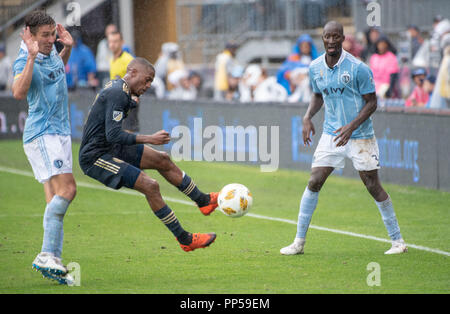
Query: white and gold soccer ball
[[235, 200]]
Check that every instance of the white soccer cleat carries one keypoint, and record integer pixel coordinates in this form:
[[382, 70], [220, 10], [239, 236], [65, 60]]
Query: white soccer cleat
[[58, 261], [67, 279], [47, 262], [294, 248], [398, 247]]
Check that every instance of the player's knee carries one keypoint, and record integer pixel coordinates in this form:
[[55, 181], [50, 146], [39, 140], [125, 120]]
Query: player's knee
[[151, 186], [164, 162], [315, 184], [73, 192], [68, 191]]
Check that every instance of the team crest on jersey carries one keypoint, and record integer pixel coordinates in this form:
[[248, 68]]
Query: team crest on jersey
[[345, 77], [117, 116], [58, 163]]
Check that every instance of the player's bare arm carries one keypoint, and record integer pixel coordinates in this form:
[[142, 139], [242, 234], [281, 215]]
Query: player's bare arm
[[159, 138], [308, 127], [345, 132], [66, 39], [22, 83]]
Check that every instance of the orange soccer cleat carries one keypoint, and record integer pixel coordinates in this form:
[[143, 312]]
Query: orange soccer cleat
[[208, 209], [199, 240]]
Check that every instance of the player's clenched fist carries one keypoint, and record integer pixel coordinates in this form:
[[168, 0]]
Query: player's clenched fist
[[161, 137]]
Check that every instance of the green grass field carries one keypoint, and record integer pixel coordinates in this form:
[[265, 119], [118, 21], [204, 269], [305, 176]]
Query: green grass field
[[122, 248]]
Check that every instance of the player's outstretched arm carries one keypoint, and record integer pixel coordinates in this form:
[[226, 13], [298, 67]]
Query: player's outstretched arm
[[308, 127], [22, 80], [159, 138], [345, 132]]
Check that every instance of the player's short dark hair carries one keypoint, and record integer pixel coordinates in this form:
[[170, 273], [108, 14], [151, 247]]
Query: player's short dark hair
[[142, 62], [36, 19]]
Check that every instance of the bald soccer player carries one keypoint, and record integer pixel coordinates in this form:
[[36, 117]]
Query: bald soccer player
[[116, 157], [345, 85]]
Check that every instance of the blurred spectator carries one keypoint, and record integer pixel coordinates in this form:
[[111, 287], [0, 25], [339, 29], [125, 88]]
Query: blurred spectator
[[261, 87], [196, 80], [430, 53], [419, 96], [441, 92], [404, 79], [5, 69], [104, 55], [118, 64], [81, 68], [250, 78], [415, 39], [300, 86], [352, 46], [302, 54], [234, 84], [163, 59], [174, 63], [120, 59], [225, 61], [372, 36], [182, 88], [428, 86], [157, 88], [442, 32], [384, 66]]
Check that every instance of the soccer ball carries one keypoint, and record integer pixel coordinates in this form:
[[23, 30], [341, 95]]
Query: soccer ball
[[235, 200]]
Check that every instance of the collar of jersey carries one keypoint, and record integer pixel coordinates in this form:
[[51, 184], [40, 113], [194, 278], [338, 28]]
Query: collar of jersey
[[129, 90], [40, 56], [341, 58]]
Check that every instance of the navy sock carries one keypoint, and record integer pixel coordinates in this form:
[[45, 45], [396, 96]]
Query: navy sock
[[189, 188], [167, 216]]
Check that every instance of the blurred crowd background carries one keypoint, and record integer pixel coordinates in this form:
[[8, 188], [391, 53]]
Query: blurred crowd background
[[246, 51]]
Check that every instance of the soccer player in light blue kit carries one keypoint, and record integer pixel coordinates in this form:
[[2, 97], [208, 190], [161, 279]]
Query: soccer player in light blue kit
[[39, 76], [345, 85]]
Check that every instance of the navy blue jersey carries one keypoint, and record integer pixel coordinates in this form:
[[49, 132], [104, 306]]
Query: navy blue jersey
[[103, 131]]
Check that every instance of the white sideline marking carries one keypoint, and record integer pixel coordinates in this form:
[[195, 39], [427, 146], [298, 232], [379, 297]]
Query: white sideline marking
[[184, 202]]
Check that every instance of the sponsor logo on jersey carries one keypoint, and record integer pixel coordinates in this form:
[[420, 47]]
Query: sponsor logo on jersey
[[332, 90]]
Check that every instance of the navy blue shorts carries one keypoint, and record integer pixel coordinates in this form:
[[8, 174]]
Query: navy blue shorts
[[119, 168]]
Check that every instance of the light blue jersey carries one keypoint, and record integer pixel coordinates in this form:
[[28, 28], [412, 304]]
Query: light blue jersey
[[342, 88], [47, 96]]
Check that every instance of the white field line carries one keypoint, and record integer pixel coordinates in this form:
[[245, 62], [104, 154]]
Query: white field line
[[185, 202]]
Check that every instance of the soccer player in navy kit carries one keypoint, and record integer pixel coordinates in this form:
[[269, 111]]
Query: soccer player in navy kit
[[345, 85], [115, 157], [39, 77]]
